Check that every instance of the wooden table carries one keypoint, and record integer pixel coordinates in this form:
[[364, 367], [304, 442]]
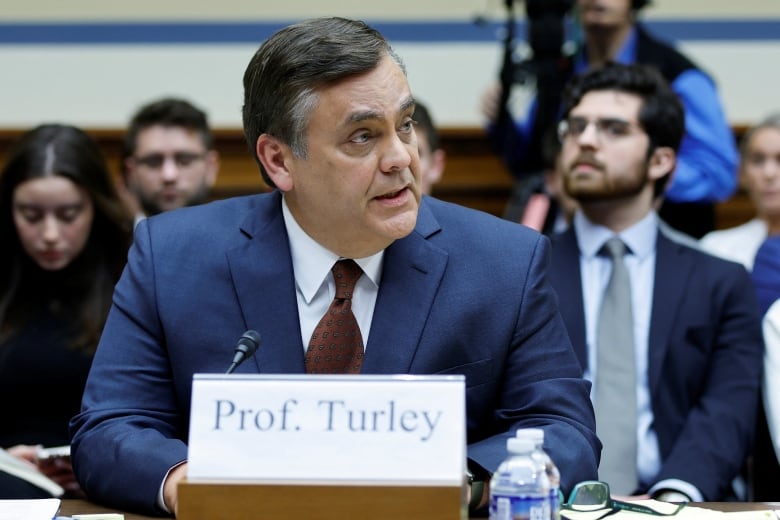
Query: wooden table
[[74, 507]]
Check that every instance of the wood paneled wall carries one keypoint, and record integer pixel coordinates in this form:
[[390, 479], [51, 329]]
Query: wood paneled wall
[[474, 175]]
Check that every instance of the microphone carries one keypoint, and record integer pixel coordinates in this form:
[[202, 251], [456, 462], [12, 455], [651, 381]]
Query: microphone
[[246, 347]]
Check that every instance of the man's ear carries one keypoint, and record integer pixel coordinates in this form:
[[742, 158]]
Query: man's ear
[[212, 167], [438, 162], [274, 156], [662, 162], [128, 170]]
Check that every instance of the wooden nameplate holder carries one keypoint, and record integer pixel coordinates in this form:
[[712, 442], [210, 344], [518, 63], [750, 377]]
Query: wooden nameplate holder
[[319, 501]]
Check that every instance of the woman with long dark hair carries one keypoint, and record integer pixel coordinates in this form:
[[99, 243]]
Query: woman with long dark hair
[[65, 236]]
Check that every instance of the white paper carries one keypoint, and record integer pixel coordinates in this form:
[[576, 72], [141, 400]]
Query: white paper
[[42, 509], [689, 512]]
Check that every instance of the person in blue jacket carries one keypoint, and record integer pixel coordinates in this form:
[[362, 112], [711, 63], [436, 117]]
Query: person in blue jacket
[[706, 170]]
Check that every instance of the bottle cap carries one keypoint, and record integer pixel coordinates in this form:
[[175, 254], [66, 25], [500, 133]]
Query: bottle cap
[[536, 434], [519, 445]]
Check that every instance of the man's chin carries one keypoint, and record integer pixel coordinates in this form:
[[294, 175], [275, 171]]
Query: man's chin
[[400, 225]]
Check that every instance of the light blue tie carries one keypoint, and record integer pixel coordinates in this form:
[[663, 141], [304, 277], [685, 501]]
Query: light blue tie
[[615, 385]]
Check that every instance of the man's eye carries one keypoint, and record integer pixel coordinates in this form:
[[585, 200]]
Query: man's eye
[[151, 161], [186, 159], [361, 137], [577, 126], [615, 128]]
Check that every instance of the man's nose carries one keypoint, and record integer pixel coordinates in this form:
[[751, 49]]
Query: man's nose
[[169, 170], [590, 135], [396, 155]]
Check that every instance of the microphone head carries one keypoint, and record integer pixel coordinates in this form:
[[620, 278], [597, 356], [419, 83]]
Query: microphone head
[[250, 341]]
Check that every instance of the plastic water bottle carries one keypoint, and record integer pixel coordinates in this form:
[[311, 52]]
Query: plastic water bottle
[[520, 489], [553, 475]]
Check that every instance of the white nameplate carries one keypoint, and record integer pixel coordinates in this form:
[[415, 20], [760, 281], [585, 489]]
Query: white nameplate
[[383, 429]]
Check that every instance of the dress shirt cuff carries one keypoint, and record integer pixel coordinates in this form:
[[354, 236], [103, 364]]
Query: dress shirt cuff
[[160, 497], [676, 486]]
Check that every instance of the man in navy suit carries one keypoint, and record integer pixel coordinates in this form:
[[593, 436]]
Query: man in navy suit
[[695, 326], [443, 290]]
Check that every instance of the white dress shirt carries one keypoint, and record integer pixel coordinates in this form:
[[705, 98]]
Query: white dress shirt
[[596, 269], [640, 261], [315, 287]]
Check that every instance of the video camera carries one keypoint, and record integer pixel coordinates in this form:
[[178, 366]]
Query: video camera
[[548, 66], [545, 31]]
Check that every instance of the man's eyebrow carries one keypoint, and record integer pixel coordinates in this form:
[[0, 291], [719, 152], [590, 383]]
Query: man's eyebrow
[[364, 115], [408, 103], [373, 114]]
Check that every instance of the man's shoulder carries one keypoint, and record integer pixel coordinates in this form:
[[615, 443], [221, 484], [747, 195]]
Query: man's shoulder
[[703, 262], [216, 213], [459, 229], [209, 227], [448, 213], [653, 51], [562, 240]]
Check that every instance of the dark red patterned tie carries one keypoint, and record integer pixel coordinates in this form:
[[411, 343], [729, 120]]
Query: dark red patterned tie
[[336, 346]]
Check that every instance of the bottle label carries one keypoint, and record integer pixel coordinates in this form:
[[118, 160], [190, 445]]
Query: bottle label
[[555, 506], [523, 507]]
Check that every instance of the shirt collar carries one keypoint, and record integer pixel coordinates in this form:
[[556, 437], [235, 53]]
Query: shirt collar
[[640, 238], [312, 262]]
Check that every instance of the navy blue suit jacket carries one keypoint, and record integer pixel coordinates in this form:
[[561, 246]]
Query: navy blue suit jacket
[[464, 293], [766, 273], [705, 358]]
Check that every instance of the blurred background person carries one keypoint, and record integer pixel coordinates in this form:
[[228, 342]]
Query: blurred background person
[[65, 236], [432, 156], [610, 31], [169, 160], [760, 173]]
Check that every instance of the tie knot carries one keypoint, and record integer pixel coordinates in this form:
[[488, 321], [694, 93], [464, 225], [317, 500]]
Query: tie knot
[[615, 248], [346, 274]]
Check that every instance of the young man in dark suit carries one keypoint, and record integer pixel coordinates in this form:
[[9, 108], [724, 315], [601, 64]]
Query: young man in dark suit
[[692, 332]]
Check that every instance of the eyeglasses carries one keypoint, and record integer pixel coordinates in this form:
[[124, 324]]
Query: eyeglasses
[[155, 161], [608, 128], [592, 495]]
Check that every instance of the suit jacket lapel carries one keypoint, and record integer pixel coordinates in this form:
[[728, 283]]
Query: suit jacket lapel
[[412, 270], [673, 268], [262, 272], [565, 274]]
